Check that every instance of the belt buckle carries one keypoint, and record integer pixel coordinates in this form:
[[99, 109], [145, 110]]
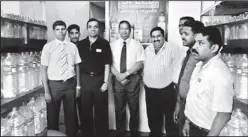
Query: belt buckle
[[91, 73]]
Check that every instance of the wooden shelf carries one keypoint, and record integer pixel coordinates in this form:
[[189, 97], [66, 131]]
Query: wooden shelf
[[8, 104], [22, 22], [227, 8]]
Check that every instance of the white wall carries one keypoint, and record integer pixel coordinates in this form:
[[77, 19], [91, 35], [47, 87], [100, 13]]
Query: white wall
[[178, 9], [71, 12], [10, 7]]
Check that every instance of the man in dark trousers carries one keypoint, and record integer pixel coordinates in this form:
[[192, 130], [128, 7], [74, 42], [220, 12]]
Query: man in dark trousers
[[96, 58], [58, 59], [74, 33], [188, 34], [128, 57]]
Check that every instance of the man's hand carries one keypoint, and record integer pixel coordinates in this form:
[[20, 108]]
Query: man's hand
[[78, 91], [121, 76], [186, 128], [176, 113], [125, 81], [48, 97], [104, 87]]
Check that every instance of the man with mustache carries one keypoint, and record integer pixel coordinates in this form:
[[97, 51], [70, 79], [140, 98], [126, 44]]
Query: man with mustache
[[210, 98], [128, 57], [188, 33], [58, 59], [95, 69], [74, 33], [159, 78]]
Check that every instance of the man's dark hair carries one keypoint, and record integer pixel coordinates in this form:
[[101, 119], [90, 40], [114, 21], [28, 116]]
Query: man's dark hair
[[126, 22], [213, 34], [58, 23], [157, 29], [73, 26], [187, 18], [194, 25], [92, 19]]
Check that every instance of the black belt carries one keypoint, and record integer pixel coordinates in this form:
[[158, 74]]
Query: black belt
[[93, 73], [62, 81], [194, 125]]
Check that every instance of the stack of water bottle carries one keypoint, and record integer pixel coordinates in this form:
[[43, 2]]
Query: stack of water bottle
[[20, 73], [237, 126], [27, 120], [238, 64]]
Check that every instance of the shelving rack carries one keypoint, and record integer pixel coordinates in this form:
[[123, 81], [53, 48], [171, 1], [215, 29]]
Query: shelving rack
[[18, 45], [234, 46]]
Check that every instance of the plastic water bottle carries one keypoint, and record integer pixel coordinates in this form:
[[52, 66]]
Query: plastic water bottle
[[23, 73], [241, 78], [9, 83], [231, 64], [237, 126]]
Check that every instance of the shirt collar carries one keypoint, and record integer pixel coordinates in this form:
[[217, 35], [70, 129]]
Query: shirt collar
[[58, 42], [212, 60], [127, 41]]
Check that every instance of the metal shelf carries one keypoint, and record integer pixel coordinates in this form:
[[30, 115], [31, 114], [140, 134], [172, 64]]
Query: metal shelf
[[22, 22], [8, 104], [227, 8]]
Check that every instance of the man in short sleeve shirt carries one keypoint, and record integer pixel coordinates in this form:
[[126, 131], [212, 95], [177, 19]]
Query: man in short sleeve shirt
[[96, 58], [128, 57], [210, 98], [59, 58]]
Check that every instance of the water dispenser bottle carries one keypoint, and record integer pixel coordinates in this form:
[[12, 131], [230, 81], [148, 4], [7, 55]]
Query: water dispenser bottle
[[23, 73], [231, 64], [241, 77], [10, 82]]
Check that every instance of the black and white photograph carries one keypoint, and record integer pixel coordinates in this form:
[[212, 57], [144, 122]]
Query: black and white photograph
[[124, 68]]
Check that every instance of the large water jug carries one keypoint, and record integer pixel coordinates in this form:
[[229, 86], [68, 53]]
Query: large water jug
[[32, 72], [18, 123], [38, 68], [23, 73], [231, 64], [10, 82], [237, 126], [241, 81]]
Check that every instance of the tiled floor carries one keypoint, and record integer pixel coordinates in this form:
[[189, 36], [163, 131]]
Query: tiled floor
[[111, 132]]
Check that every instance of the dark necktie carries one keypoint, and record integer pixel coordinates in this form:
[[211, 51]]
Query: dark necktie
[[123, 63], [183, 67]]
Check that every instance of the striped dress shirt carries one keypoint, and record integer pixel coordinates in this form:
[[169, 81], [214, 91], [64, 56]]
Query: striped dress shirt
[[160, 69]]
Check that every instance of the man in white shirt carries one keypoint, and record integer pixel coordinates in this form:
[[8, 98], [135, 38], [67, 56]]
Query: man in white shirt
[[159, 78], [59, 59], [210, 98], [128, 57]]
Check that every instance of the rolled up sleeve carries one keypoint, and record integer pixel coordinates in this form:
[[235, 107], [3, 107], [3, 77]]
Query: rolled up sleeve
[[45, 55], [77, 56]]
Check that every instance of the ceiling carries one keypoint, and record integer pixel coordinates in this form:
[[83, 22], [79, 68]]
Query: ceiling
[[99, 3]]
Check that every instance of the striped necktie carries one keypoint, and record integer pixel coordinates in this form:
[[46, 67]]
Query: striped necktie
[[63, 64]]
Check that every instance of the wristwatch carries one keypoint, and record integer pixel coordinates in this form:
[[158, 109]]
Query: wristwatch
[[127, 73], [78, 87]]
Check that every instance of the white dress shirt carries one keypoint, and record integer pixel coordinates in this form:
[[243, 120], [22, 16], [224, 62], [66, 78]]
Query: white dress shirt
[[211, 91], [50, 57], [160, 69], [135, 52]]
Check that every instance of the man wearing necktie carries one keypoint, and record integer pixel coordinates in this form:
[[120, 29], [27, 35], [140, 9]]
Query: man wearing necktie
[[128, 57], [58, 59], [188, 33]]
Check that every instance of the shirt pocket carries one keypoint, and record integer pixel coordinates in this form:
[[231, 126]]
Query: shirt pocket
[[71, 59]]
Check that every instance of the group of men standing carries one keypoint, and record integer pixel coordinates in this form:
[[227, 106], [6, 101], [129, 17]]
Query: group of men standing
[[78, 72]]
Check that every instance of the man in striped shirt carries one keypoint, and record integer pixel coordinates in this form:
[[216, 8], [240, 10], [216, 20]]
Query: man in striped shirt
[[159, 80]]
